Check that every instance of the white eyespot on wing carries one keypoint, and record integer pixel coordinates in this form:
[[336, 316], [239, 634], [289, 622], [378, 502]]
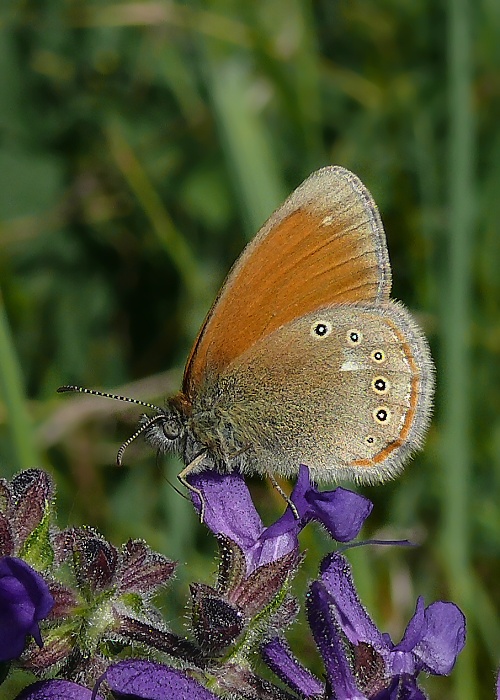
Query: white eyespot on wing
[[321, 329], [354, 337]]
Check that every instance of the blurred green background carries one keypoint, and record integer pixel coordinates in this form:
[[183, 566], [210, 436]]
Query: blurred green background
[[141, 145]]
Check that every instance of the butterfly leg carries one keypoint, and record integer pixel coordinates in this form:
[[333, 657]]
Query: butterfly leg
[[190, 468], [284, 496]]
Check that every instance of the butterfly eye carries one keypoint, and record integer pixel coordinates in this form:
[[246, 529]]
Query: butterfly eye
[[171, 428], [321, 329], [354, 337], [381, 385], [378, 356], [382, 414]]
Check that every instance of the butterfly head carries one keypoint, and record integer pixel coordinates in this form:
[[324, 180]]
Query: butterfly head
[[166, 431]]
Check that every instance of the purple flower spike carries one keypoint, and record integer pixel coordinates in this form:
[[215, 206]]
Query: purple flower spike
[[150, 681], [360, 662], [25, 599], [362, 677], [57, 690], [433, 638]]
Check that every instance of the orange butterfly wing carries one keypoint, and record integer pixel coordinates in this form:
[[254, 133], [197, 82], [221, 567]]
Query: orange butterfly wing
[[325, 245]]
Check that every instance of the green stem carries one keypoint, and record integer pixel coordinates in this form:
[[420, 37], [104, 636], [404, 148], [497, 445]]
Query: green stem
[[243, 132], [162, 225], [456, 328], [13, 396]]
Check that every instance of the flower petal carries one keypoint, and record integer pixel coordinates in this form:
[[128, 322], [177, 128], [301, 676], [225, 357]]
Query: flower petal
[[228, 507], [24, 600], [351, 615], [151, 681], [277, 540], [415, 629], [341, 680], [56, 690], [289, 670], [444, 638], [340, 511]]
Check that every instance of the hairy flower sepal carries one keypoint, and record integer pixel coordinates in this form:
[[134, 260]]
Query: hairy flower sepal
[[109, 587], [216, 622], [26, 505], [240, 608]]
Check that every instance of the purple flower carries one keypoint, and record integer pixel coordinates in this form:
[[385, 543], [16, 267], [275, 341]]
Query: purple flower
[[432, 640], [25, 599], [56, 690], [150, 681], [374, 666], [131, 679], [229, 511]]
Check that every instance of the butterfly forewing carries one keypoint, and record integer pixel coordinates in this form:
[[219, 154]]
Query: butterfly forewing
[[325, 245]]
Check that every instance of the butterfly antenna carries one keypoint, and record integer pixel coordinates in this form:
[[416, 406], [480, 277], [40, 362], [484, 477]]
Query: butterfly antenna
[[93, 392], [82, 390], [138, 432]]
